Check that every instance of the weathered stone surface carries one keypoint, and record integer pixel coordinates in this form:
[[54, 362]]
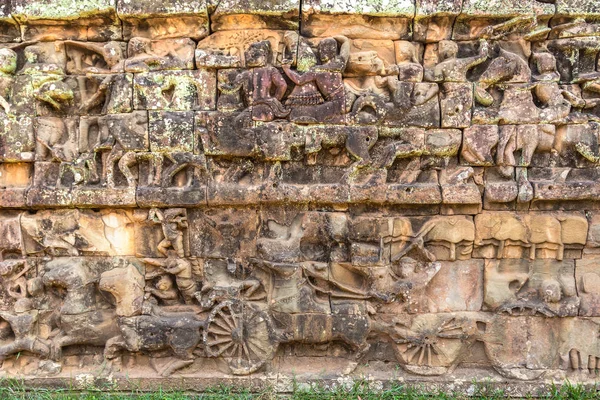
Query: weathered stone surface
[[587, 280], [227, 49], [94, 20], [153, 55], [360, 20], [9, 30], [163, 20], [174, 90], [205, 190], [434, 19], [244, 14]]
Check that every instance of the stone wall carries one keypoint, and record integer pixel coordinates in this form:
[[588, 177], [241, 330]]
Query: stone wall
[[267, 188]]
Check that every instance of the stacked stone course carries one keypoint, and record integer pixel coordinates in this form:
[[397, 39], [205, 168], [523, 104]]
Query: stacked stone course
[[220, 189]]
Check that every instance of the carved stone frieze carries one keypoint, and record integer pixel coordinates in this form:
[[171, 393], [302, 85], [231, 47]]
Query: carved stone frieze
[[207, 189]]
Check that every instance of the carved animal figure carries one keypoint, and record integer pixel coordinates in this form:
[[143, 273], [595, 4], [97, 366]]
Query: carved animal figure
[[81, 320]]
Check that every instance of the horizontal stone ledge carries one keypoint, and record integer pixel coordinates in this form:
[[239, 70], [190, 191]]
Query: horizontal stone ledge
[[468, 381], [421, 20]]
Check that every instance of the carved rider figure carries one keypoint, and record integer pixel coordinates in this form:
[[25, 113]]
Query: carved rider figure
[[264, 84], [328, 78]]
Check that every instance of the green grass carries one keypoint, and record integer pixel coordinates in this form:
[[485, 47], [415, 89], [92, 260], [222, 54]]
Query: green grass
[[10, 390]]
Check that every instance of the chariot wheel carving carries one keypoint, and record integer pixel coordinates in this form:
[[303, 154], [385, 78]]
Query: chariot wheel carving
[[241, 334]]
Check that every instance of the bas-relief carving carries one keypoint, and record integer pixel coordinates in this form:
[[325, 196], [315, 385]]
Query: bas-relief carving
[[425, 174]]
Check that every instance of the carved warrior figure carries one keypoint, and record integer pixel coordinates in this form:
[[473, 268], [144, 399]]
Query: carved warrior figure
[[95, 57], [23, 322], [319, 83], [173, 222], [181, 269], [164, 290], [451, 68], [259, 82], [386, 82]]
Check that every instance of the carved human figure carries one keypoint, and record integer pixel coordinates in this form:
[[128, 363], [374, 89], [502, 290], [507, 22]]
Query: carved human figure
[[99, 58], [266, 83], [23, 322], [103, 95], [47, 80], [408, 66], [181, 269], [307, 94], [374, 91], [410, 277], [164, 290], [108, 141], [291, 292], [327, 77], [232, 93], [454, 69], [173, 221], [8, 67], [527, 139]]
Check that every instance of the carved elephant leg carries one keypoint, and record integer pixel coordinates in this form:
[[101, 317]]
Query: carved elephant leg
[[501, 247], [182, 161], [40, 346], [530, 138], [360, 350], [592, 363], [62, 169], [507, 145], [29, 343], [575, 359], [92, 168], [199, 167], [560, 251], [9, 349], [532, 251], [155, 169]]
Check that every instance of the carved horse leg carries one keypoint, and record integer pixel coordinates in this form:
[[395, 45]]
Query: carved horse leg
[[114, 155], [125, 163]]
